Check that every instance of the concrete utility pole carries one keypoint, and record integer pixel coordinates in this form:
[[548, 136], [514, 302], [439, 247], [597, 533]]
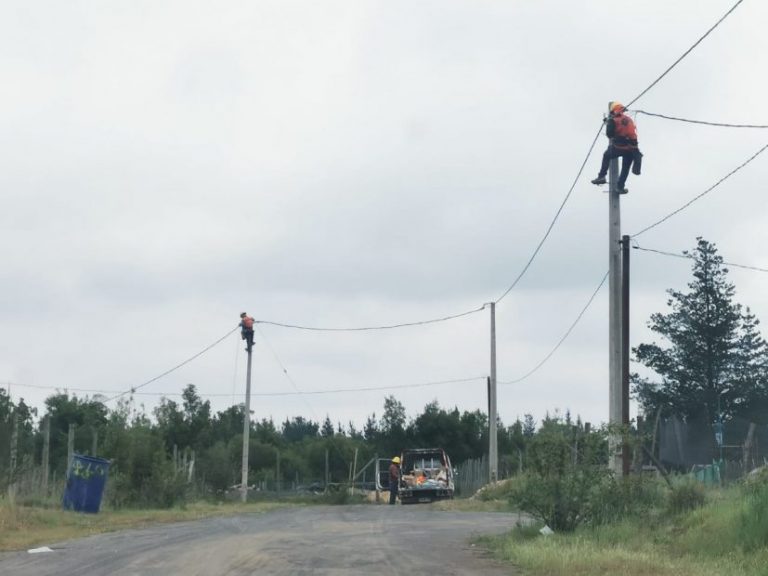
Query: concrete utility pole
[[614, 314], [625, 455], [493, 449], [246, 428]]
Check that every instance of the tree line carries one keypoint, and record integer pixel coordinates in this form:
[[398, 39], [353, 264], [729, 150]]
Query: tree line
[[711, 365]]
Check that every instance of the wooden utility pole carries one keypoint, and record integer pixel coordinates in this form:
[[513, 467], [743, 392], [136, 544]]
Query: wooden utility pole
[[327, 470], [46, 453], [625, 452], [614, 316], [277, 472], [14, 456], [94, 441], [246, 428], [70, 446], [493, 450]]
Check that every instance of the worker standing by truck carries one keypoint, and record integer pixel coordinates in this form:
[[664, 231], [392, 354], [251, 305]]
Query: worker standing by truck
[[394, 479]]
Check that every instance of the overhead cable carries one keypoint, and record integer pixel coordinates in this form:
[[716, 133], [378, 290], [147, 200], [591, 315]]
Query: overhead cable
[[704, 122], [691, 257], [184, 363], [562, 339], [369, 328], [676, 62], [270, 394], [698, 197], [552, 223]]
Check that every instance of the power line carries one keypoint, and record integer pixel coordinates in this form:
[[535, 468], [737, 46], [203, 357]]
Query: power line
[[271, 394], [707, 191], [676, 62], [560, 342], [370, 328], [185, 362], [704, 122], [554, 220], [691, 257]]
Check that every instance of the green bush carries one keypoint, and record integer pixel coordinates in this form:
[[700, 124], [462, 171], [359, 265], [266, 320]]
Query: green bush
[[620, 498], [685, 497], [566, 475]]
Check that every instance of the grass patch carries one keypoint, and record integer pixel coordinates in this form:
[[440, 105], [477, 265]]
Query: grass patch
[[726, 535], [472, 505], [23, 527]]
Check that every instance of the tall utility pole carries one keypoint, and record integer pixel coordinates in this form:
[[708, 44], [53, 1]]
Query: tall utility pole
[[614, 315], [493, 449], [625, 455], [246, 427]]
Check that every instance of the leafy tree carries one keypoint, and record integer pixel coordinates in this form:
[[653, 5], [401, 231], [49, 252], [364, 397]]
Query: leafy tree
[[86, 414], [327, 430], [393, 437], [371, 428], [298, 428], [529, 426], [714, 349]]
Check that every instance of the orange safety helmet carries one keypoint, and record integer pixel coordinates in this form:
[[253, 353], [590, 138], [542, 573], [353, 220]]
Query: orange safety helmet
[[617, 108]]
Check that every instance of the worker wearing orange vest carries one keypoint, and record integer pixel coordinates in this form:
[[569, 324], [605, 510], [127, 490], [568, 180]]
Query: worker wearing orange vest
[[622, 136], [246, 330]]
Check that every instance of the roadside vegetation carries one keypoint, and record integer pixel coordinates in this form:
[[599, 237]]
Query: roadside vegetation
[[727, 534], [23, 527], [634, 526]]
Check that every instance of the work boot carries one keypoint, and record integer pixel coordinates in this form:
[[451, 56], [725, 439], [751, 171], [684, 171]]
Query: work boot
[[599, 180], [623, 190]]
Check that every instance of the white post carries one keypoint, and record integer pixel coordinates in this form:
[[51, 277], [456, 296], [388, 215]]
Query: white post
[[246, 430], [614, 315], [493, 450]]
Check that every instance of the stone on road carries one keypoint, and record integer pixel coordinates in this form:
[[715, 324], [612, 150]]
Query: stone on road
[[327, 540]]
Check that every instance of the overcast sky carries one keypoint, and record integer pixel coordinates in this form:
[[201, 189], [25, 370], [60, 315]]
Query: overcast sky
[[167, 165]]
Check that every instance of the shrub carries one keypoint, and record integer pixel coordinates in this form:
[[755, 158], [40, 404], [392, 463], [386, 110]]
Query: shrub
[[685, 497], [566, 475], [619, 498]]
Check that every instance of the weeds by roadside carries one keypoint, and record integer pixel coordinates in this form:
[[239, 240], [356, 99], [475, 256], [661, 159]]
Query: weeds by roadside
[[684, 535], [26, 526]]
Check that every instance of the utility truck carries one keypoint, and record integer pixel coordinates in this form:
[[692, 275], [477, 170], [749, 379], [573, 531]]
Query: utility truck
[[426, 475]]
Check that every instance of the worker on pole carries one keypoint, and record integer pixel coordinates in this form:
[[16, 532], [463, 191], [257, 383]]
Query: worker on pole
[[246, 330], [622, 136]]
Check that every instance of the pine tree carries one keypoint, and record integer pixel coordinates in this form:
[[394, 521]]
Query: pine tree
[[715, 349]]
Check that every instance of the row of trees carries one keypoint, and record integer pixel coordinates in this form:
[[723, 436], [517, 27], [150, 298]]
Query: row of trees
[[142, 446]]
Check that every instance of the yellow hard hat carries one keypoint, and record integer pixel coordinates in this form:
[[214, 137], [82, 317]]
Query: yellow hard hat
[[396, 459], [617, 107]]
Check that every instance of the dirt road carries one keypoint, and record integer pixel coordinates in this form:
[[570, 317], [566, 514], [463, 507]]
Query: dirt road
[[338, 540]]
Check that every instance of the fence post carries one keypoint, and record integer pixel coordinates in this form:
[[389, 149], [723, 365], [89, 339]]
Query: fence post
[[327, 476], [277, 472], [748, 446], [354, 472], [70, 446], [14, 451], [46, 453]]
